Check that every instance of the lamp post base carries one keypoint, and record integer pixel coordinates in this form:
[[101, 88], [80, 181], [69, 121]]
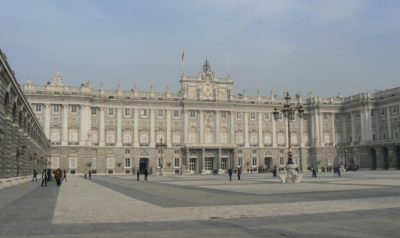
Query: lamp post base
[[290, 174]]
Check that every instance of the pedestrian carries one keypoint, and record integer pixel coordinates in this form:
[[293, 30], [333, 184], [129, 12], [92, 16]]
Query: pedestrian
[[274, 172], [34, 175], [230, 174], [44, 177], [90, 174], [58, 176], [239, 172], [314, 173], [49, 177], [145, 174], [65, 175], [85, 173], [338, 172], [137, 175]]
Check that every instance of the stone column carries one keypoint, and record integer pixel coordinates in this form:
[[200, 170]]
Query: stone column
[[186, 126], [101, 127], [64, 140], [152, 128], [168, 128], [246, 130], [217, 129], [85, 124], [333, 129], [353, 128], [201, 126], [286, 131], [232, 127], [47, 110], [301, 132], [344, 128], [136, 127], [389, 124], [273, 133], [203, 160], [260, 131], [119, 126]]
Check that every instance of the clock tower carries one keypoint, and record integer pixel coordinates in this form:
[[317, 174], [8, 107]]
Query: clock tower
[[206, 86]]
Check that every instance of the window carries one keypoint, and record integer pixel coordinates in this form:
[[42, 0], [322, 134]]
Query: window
[[56, 108], [110, 137], [127, 152], [382, 111], [176, 138], [348, 116], [208, 163], [253, 138], [337, 117], [73, 162], [127, 112], [325, 116], [192, 164], [240, 152], [281, 151], [94, 111], [110, 163], [177, 152], [143, 113], [208, 136], [74, 109], [176, 162], [73, 136], [239, 138], [127, 138], [240, 162], [144, 139], [176, 113], [254, 151], [281, 161], [223, 114], [239, 115], [193, 114], [223, 135], [266, 116], [55, 162], [254, 162], [224, 162], [111, 111], [55, 135], [127, 162], [95, 138], [395, 109], [38, 108], [252, 115], [160, 113], [357, 115]]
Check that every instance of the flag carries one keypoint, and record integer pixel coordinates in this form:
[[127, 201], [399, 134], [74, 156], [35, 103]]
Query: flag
[[183, 54]]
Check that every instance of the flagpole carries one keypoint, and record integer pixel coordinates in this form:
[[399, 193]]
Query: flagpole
[[183, 61]]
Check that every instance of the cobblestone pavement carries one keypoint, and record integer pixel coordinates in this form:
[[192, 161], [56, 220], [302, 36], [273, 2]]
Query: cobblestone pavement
[[358, 204]]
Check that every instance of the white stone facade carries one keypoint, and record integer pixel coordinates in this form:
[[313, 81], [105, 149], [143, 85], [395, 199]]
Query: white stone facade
[[206, 129]]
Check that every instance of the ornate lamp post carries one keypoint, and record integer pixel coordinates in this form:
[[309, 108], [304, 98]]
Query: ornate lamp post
[[161, 146], [289, 110]]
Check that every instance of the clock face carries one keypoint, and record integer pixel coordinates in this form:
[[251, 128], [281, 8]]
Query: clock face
[[207, 90]]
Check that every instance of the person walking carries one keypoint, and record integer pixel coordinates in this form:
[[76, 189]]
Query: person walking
[[90, 174], [274, 172], [239, 172], [44, 178], [137, 175], [58, 176], [338, 171], [230, 174], [65, 175], [85, 173], [145, 174], [34, 175], [314, 172]]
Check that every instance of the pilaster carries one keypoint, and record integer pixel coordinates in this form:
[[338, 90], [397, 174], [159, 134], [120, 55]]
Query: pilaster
[[64, 140], [246, 130], [119, 127], [101, 128]]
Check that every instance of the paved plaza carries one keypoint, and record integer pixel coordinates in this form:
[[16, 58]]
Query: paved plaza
[[358, 204]]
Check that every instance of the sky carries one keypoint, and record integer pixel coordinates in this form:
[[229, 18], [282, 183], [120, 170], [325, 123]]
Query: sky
[[321, 46]]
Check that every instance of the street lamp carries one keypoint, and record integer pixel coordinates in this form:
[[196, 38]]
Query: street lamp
[[161, 146], [289, 110]]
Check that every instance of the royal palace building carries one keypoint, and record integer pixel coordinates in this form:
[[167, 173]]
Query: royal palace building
[[23, 143], [205, 129]]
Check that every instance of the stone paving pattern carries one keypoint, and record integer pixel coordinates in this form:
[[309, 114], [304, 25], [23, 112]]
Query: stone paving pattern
[[358, 204]]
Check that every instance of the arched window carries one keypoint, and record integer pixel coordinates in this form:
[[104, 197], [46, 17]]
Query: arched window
[[14, 112]]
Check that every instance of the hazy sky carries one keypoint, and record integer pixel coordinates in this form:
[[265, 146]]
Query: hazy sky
[[323, 46]]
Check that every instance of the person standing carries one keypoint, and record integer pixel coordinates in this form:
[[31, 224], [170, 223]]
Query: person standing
[[145, 174], [34, 175], [230, 174], [58, 176], [65, 175], [90, 174], [239, 172], [44, 178], [85, 173], [274, 172], [137, 175]]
